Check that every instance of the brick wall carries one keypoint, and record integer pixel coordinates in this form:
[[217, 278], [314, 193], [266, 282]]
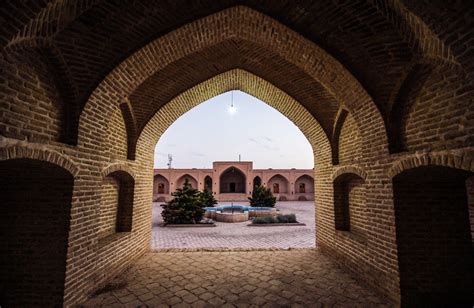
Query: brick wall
[[438, 116], [116, 143], [361, 73], [349, 141], [30, 105], [108, 207]]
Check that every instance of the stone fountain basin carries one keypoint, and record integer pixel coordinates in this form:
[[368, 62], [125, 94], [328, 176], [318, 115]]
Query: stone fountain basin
[[211, 212], [232, 217]]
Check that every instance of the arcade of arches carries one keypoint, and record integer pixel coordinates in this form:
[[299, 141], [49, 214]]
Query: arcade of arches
[[381, 89], [234, 181]]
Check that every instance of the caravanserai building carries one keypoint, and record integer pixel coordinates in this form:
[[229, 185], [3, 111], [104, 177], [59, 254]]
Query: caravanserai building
[[234, 181]]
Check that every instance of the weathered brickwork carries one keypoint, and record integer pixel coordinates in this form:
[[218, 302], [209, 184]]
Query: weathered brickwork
[[441, 114], [108, 207], [349, 142], [116, 143], [30, 103], [402, 70]]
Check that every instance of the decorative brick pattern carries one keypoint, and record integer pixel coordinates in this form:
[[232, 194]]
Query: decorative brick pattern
[[86, 85]]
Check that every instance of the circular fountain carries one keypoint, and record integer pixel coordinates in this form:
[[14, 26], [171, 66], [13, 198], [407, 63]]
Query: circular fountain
[[237, 213]]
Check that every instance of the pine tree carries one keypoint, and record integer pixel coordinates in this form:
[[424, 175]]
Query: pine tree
[[207, 198], [262, 196], [185, 207]]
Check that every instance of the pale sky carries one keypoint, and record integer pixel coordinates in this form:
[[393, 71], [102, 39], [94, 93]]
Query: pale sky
[[210, 132]]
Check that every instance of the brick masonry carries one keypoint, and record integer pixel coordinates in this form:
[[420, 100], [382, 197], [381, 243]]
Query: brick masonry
[[222, 174], [75, 80]]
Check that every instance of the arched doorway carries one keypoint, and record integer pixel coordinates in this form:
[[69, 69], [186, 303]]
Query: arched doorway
[[160, 185], [304, 185], [208, 183], [192, 181], [433, 236], [278, 184], [232, 181], [35, 215]]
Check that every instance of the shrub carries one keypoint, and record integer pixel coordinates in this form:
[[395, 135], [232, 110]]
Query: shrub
[[185, 207], [267, 219], [289, 218], [270, 219], [207, 198], [262, 196]]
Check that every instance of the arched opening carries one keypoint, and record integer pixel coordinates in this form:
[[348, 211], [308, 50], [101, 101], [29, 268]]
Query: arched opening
[[35, 215], [208, 183], [304, 185], [154, 117], [232, 181], [161, 185], [279, 184], [433, 236], [257, 181], [116, 210], [192, 181], [349, 203]]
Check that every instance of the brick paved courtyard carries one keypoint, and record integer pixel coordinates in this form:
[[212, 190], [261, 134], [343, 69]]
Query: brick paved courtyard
[[298, 278], [239, 235]]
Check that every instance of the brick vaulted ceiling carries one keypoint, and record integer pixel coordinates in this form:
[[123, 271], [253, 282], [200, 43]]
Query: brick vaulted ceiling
[[89, 38]]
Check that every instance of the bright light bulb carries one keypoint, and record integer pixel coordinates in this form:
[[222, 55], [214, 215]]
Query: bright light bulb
[[232, 110]]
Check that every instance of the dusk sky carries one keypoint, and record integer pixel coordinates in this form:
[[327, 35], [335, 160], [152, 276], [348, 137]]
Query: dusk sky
[[210, 132]]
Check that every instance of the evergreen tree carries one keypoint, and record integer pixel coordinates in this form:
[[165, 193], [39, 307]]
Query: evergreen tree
[[186, 206], [262, 196], [207, 198]]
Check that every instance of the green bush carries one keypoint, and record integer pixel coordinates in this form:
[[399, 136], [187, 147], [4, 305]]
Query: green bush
[[270, 219], [207, 198], [262, 196], [267, 219], [186, 206], [289, 218]]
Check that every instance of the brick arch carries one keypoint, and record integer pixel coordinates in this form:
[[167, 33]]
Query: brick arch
[[286, 189], [53, 157], [402, 100], [416, 31], [246, 82], [192, 178], [279, 174], [234, 22], [44, 51], [48, 21], [118, 167], [349, 170], [340, 118], [462, 161]]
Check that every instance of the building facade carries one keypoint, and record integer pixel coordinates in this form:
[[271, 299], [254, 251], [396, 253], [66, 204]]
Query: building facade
[[234, 181]]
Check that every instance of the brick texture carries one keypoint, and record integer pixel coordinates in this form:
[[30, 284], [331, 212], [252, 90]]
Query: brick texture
[[90, 86]]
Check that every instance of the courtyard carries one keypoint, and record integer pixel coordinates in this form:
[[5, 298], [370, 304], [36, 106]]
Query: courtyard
[[280, 278], [380, 94], [239, 235]]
